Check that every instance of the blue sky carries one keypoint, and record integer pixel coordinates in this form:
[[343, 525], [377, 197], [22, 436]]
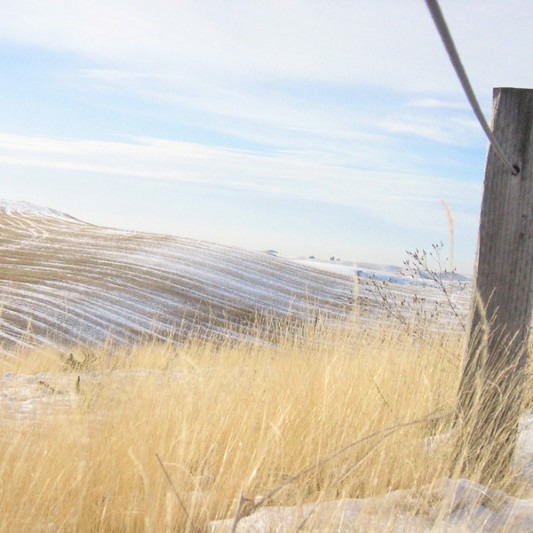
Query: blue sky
[[311, 127]]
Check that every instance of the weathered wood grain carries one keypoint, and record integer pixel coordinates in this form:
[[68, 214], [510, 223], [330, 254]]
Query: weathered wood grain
[[492, 382]]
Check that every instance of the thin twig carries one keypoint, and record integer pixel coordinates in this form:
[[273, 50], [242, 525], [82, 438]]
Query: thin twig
[[167, 475], [337, 483], [383, 433], [238, 516], [382, 396]]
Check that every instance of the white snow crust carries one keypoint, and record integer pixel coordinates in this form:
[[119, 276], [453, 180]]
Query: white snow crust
[[446, 506], [65, 281]]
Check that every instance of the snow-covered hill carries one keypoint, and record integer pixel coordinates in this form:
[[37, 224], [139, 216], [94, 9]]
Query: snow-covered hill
[[63, 280]]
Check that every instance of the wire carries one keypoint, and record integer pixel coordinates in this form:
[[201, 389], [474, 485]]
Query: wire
[[446, 37]]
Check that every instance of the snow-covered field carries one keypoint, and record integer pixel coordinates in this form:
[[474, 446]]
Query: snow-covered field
[[403, 295], [70, 282], [66, 281]]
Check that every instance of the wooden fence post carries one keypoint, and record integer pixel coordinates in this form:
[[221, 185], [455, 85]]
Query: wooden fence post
[[492, 381]]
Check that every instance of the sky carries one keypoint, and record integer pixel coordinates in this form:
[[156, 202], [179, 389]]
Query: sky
[[311, 127]]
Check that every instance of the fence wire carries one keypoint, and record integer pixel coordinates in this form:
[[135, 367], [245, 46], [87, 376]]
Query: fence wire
[[446, 37]]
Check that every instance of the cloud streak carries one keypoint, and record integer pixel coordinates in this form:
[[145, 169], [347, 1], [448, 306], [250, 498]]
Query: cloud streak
[[388, 43], [399, 198]]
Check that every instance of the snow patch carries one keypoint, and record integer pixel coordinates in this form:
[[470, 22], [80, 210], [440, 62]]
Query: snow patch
[[8, 207], [445, 506]]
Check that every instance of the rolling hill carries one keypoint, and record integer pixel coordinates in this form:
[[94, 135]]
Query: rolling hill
[[66, 281]]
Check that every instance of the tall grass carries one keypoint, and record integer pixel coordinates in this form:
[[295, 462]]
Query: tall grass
[[160, 438]]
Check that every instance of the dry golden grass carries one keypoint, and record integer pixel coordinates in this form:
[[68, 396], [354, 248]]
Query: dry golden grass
[[159, 438]]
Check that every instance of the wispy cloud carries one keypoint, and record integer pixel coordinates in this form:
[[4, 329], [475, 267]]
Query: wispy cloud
[[338, 124], [388, 43], [453, 130], [116, 75], [400, 198], [434, 103]]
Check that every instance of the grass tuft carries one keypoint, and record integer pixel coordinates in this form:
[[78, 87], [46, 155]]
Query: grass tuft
[[165, 438]]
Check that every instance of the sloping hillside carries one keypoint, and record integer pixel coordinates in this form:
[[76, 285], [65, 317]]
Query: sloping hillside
[[63, 280]]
